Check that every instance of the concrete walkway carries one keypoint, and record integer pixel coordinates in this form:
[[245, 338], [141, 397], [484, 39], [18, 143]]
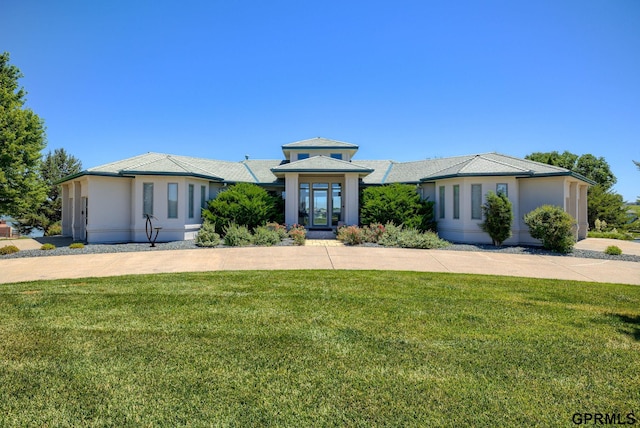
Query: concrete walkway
[[321, 257]]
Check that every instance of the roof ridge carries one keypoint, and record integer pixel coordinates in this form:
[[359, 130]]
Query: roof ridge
[[559, 168], [483, 156]]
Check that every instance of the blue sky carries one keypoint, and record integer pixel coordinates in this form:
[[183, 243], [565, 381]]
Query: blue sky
[[405, 80]]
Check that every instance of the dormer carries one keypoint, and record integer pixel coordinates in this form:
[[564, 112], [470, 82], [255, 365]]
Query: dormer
[[319, 147]]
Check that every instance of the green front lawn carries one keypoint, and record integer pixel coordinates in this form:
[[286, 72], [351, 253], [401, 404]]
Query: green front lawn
[[316, 348]]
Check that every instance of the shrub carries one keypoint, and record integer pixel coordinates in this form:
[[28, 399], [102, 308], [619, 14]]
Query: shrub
[[623, 236], [396, 203], [54, 229], [298, 233], [350, 235], [612, 250], [498, 215], [9, 249], [76, 245], [373, 232], [47, 247], [552, 226], [237, 236], [207, 236], [264, 236], [397, 236], [280, 229], [245, 204]]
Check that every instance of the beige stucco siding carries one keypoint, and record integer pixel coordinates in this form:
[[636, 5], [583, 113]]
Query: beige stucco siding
[[109, 209]]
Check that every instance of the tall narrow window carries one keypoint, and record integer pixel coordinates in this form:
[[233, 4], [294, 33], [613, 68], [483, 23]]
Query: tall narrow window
[[203, 197], [456, 201], [303, 209], [336, 203], [441, 202], [191, 199], [172, 200], [147, 199], [476, 201]]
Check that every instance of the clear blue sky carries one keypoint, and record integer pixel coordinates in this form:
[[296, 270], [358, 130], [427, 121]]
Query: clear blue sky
[[404, 80]]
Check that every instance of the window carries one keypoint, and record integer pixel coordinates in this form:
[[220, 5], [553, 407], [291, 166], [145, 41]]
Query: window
[[147, 199], [502, 188], [303, 156], [172, 200], [336, 156], [191, 199], [303, 209], [336, 203], [456, 201], [476, 201], [441, 201], [203, 197]]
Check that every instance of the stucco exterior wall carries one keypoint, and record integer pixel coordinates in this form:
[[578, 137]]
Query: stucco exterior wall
[[109, 209], [466, 229], [535, 192]]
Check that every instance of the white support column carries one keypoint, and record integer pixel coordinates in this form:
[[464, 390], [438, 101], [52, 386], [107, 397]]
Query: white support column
[[583, 220], [292, 194], [78, 227], [352, 195], [573, 206]]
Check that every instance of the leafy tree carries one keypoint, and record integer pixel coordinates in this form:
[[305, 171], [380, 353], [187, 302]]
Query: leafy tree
[[398, 204], [22, 137], [498, 213], [552, 226], [244, 204], [565, 160], [55, 167], [596, 169], [606, 206]]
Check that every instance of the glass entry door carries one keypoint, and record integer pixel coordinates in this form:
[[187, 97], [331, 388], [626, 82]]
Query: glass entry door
[[320, 195]]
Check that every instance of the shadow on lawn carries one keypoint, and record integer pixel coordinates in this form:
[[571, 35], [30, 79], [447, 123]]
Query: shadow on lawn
[[632, 325]]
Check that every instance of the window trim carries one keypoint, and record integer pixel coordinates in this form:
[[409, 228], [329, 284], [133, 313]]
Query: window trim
[[146, 186], [456, 202], [441, 200], [191, 200], [506, 188]]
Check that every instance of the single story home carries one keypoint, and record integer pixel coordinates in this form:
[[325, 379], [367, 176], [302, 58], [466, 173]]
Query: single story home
[[320, 180]]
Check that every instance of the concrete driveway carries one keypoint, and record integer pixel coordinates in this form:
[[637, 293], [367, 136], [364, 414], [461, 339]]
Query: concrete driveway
[[324, 257]]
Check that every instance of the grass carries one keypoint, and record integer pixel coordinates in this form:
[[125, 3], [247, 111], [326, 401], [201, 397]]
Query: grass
[[316, 348]]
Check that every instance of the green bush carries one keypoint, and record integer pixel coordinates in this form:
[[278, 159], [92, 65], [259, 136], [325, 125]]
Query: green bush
[[551, 225], [623, 236], [207, 236], [373, 232], [350, 235], [9, 249], [397, 236], [76, 245], [612, 250], [264, 236], [298, 233], [47, 247], [396, 203], [54, 229], [237, 236], [498, 214], [244, 204]]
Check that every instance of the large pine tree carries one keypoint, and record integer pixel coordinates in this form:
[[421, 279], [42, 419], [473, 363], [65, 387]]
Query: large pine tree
[[22, 138]]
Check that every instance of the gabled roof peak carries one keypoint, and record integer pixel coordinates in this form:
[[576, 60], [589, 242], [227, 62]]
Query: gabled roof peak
[[319, 143]]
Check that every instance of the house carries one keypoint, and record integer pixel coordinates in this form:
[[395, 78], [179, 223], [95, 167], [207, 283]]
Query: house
[[320, 180]]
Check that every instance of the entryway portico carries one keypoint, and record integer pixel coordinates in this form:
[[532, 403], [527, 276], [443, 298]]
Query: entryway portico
[[321, 192]]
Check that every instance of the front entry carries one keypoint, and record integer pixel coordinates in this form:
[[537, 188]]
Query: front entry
[[320, 205]]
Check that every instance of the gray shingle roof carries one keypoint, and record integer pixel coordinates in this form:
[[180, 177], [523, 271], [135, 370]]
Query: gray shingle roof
[[321, 164], [371, 171], [319, 143]]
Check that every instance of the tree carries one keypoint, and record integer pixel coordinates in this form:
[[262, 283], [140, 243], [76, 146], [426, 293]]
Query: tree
[[596, 169], [22, 138], [245, 204], [498, 213], [606, 206], [565, 160], [55, 167], [398, 204]]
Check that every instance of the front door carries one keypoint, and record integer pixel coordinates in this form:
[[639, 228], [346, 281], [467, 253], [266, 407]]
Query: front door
[[320, 195]]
